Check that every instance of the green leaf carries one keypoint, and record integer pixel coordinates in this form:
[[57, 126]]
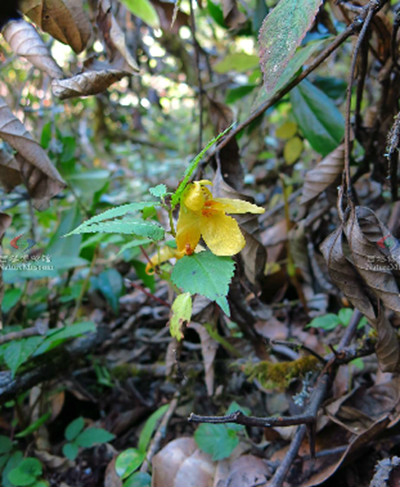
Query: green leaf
[[74, 428], [282, 31], [158, 191], [19, 351], [216, 13], [150, 426], [93, 436], [206, 274], [12, 463], [131, 227], [5, 444], [239, 61], [233, 407], [70, 450], [138, 479], [26, 472], [216, 440], [238, 93], [88, 182], [327, 322], [181, 313], [10, 299], [147, 279], [144, 10], [33, 426], [320, 121], [129, 461], [192, 167], [60, 335], [345, 315], [111, 285]]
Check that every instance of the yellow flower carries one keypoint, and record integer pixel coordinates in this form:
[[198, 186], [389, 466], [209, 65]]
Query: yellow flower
[[163, 254], [202, 215]]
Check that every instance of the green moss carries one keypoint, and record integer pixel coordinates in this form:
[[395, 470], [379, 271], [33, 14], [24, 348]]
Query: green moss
[[278, 375]]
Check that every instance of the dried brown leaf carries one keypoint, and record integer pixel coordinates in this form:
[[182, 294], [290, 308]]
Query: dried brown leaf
[[37, 172], [165, 11], [65, 20], [90, 82], [10, 175], [387, 348], [233, 17], [208, 349], [364, 231], [343, 274], [114, 39], [25, 41], [326, 173]]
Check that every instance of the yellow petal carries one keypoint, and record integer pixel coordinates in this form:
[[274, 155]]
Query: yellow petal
[[238, 206], [187, 231], [222, 234], [196, 195], [161, 256]]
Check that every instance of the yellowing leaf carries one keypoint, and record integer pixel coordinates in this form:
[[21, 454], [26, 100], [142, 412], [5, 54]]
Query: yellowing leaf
[[181, 313], [292, 150], [239, 61], [286, 130]]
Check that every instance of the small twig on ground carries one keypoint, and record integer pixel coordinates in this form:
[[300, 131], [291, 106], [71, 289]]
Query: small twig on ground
[[162, 427], [17, 335]]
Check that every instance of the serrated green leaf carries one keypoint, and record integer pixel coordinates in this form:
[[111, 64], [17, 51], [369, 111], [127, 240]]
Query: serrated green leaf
[[60, 335], [130, 227], [192, 166], [70, 450], [327, 322], [216, 440], [206, 274], [281, 33], [93, 436], [116, 212], [144, 10], [149, 427], [74, 428], [158, 191], [19, 351], [26, 472], [318, 117], [181, 313], [129, 461]]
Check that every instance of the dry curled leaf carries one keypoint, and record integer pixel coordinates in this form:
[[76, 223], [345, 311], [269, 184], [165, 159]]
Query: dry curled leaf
[[326, 173], [181, 464], [364, 232], [10, 175], [233, 17], [208, 349], [387, 348], [25, 41], [165, 11], [114, 39], [37, 172], [343, 274], [90, 82], [65, 20]]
